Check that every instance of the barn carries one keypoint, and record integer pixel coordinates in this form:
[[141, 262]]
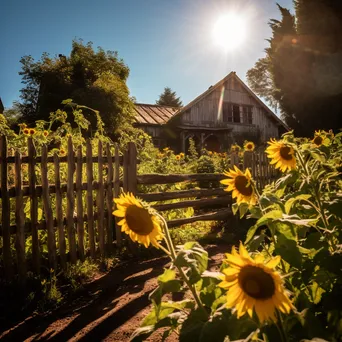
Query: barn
[[226, 113]]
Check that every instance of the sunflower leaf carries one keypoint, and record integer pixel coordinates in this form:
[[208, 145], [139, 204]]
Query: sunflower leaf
[[290, 202]]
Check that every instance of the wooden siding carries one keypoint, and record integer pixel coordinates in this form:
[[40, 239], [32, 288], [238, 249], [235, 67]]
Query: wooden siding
[[205, 113]]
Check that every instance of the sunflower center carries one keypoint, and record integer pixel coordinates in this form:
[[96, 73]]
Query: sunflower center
[[286, 152], [249, 146], [139, 220], [257, 283], [241, 184], [318, 140]]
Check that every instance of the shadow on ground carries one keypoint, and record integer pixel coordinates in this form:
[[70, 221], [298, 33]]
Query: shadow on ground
[[104, 306]]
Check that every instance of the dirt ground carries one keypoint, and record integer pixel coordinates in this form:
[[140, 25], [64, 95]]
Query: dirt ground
[[109, 309]]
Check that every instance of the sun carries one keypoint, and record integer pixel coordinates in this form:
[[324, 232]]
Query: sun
[[229, 31]]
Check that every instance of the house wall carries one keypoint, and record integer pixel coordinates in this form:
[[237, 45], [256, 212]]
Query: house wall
[[205, 113]]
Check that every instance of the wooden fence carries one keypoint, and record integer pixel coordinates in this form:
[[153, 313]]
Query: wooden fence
[[68, 200]]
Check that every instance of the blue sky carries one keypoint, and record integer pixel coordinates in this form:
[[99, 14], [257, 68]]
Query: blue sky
[[164, 43]]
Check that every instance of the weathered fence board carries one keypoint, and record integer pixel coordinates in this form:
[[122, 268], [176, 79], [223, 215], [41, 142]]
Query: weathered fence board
[[20, 220], [109, 199], [6, 236], [59, 212], [33, 205], [90, 216], [100, 202], [79, 203], [48, 210]]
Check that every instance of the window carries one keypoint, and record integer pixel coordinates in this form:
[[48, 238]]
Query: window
[[236, 113], [247, 114], [227, 112]]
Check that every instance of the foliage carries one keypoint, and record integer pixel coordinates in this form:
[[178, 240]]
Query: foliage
[[169, 98], [297, 226], [96, 79], [301, 70]]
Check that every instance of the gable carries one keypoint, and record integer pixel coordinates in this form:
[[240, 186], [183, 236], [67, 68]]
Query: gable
[[230, 89]]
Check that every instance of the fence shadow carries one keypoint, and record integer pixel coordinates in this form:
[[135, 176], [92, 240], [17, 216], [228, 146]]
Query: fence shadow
[[101, 296]]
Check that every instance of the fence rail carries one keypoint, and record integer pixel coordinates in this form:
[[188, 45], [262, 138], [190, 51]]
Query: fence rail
[[69, 199]]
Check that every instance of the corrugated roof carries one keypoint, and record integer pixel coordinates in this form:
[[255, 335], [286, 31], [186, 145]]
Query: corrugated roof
[[154, 114]]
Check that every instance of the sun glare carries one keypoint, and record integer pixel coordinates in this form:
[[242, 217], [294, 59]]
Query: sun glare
[[229, 31]]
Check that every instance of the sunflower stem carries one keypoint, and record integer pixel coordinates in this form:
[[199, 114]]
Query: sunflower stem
[[280, 327], [173, 257]]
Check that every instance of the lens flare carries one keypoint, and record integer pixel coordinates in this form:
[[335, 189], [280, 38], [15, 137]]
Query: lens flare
[[230, 31]]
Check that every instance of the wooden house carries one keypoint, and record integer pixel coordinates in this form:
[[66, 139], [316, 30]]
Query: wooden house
[[228, 112]]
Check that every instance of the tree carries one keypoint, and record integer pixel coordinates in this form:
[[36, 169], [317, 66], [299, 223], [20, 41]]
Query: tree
[[96, 79], [302, 70], [169, 98], [13, 114]]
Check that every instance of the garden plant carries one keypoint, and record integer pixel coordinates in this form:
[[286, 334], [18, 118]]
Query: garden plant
[[284, 282]]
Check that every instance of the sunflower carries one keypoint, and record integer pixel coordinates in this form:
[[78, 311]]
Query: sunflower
[[249, 146], [181, 155], [320, 139], [26, 131], [138, 220], [235, 148], [62, 152], [32, 131], [178, 157], [45, 133], [241, 185], [210, 153], [254, 284], [282, 155]]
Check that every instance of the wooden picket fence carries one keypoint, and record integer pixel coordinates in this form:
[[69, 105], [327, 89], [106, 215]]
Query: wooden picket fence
[[76, 215]]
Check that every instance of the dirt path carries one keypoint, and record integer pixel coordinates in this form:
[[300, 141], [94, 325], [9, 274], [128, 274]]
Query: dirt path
[[110, 308]]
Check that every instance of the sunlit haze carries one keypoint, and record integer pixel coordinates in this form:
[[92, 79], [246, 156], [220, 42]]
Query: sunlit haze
[[229, 31]]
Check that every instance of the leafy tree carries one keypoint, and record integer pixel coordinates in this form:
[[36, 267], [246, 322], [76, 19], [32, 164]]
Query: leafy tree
[[13, 114], [301, 70], [169, 98], [97, 79]]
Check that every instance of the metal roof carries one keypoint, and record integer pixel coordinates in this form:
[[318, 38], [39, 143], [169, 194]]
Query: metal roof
[[153, 114]]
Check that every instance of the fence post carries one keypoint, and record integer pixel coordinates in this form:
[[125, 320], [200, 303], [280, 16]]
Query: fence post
[[34, 205], [132, 170], [20, 220], [6, 248], [79, 203], [47, 210], [100, 201], [71, 202], [117, 193], [109, 200], [247, 160], [130, 180], [59, 212], [234, 159], [90, 214]]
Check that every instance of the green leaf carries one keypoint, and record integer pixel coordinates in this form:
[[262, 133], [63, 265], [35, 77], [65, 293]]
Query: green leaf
[[286, 229], [235, 208], [167, 283], [255, 243], [295, 219], [140, 333], [192, 256], [167, 276], [250, 233], [67, 101], [271, 215], [243, 208], [290, 202], [288, 250]]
